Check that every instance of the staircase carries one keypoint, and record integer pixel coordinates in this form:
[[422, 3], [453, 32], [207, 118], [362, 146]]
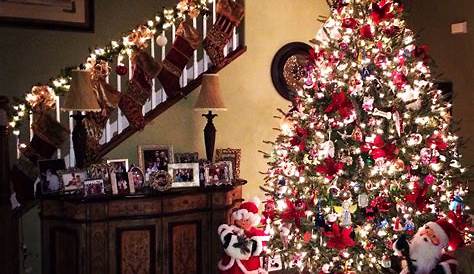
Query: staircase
[[117, 128]]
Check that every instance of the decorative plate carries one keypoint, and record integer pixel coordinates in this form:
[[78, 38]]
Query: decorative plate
[[160, 180], [288, 69]]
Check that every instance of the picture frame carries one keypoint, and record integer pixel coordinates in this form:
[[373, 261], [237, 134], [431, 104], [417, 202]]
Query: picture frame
[[100, 171], [137, 178], [187, 157], [73, 179], [233, 155], [121, 184], [153, 158], [160, 180], [73, 15], [217, 174], [184, 175], [49, 179], [94, 187], [118, 165]]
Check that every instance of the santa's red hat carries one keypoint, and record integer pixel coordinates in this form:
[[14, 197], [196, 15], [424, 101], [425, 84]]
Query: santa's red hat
[[248, 210], [448, 234]]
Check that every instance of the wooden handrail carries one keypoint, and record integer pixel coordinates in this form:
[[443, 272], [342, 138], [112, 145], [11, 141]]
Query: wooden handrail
[[162, 107]]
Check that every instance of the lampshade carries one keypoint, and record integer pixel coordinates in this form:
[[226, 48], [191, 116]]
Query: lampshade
[[81, 95], [210, 95]]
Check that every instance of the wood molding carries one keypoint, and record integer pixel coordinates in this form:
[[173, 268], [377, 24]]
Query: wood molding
[[64, 252], [185, 254]]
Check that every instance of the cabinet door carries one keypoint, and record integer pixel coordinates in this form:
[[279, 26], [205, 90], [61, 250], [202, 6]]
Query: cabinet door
[[134, 247], [186, 244]]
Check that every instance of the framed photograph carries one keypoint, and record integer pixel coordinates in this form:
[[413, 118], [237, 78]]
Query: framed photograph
[[192, 157], [75, 15], [50, 181], [94, 187], [202, 164], [230, 154], [73, 179], [154, 158], [137, 178], [118, 165], [121, 184], [184, 175], [216, 174], [99, 171]]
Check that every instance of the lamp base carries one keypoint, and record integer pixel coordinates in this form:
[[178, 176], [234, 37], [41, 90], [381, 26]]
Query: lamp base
[[209, 135], [79, 140]]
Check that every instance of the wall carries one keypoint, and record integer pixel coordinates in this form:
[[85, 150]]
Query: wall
[[453, 55], [247, 89], [30, 56]]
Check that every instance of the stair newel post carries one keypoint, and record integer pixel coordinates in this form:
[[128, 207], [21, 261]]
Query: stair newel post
[[9, 253]]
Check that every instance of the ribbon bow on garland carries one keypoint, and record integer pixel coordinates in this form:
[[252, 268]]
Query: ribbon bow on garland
[[381, 12]]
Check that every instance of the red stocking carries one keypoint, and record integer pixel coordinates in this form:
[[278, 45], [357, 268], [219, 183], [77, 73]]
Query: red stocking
[[187, 40], [229, 15]]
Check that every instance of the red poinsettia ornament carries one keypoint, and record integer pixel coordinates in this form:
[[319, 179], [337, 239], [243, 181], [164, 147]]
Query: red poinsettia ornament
[[437, 141], [350, 23], [340, 104], [418, 196], [330, 168], [339, 237], [381, 12], [380, 149], [366, 32]]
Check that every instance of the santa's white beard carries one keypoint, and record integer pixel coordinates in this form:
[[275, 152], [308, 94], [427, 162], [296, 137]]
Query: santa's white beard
[[424, 254]]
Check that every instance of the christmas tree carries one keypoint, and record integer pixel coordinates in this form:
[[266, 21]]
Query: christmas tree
[[367, 152]]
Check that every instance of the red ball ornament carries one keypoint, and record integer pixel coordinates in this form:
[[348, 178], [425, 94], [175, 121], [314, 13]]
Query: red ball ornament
[[121, 70]]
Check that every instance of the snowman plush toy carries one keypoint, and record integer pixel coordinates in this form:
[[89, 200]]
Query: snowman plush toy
[[425, 253], [242, 241]]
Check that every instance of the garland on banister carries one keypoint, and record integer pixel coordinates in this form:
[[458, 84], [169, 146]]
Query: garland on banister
[[42, 97]]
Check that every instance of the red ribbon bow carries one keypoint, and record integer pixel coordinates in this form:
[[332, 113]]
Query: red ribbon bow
[[329, 168], [339, 238], [340, 104]]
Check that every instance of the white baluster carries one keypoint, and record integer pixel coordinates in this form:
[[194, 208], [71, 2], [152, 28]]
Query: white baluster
[[30, 122], [195, 55], [119, 88], [72, 156], [205, 59], [17, 140], [108, 133], [163, 56], [153, 83], [234, 39], [58, 118], [214, 10]]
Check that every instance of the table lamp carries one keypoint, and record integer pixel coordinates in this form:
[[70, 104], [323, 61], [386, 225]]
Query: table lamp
[[81, 97], [210, 100]]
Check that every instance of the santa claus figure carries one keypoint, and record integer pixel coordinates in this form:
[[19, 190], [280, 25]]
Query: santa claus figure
[[425, 254], [243, 242]]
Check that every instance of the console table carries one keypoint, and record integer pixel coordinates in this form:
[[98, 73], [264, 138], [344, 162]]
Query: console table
[[173, 232]]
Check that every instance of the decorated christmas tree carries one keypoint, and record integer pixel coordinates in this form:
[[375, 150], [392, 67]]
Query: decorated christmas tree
[[367, 151]]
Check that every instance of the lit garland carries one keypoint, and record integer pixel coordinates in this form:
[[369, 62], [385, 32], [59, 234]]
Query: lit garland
[[367, 152], [138, 38]]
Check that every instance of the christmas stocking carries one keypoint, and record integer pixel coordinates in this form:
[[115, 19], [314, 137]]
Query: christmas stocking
[[139, 88], [187, 40], [95, 122], [229, 15], [48, 136]]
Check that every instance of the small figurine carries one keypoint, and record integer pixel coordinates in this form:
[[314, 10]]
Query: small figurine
[[345, 211], [243, 242]]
